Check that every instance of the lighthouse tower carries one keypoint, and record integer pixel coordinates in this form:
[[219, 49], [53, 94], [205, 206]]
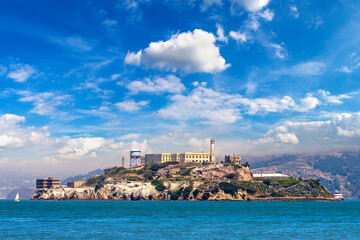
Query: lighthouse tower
[[212, 150]]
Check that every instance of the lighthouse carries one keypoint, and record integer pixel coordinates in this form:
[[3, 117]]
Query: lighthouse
[[212, 150]]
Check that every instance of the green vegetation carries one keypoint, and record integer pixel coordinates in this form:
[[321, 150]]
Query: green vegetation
[[155, 182], [160, 187], [187, 191], [177, 194], [287, 182], [231, 176], [186, 172], [196, 193], [205, 196], [228, 188], [134, 178]]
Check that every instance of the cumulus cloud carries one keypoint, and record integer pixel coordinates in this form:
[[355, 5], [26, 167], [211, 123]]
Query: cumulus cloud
[[238, 37], [79, 147], [249, 5], [21, 72], [220, 34], [307, 103], [214, 107], [157, 85], [198, 144], [339, 133], [331, 98], [187, 52], [14, 135], [131, 105]]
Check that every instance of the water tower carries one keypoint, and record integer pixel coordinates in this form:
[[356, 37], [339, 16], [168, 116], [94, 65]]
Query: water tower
[[135, 158]]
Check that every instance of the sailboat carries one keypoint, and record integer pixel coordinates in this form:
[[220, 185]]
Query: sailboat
[[17, 198]]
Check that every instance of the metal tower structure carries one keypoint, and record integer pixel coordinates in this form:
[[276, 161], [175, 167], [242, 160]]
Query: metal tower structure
[[135, 158]]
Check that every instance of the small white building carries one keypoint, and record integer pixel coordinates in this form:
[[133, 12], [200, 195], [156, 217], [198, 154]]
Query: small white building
[[270, 175]]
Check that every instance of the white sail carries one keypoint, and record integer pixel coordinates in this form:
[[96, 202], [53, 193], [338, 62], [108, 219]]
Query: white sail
[[17, 198]]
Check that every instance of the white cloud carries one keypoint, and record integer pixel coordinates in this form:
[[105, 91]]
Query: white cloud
[[157, 85], [268, 15], [79, 147], [21, 72], [250, 5], [199, 145], [3, 70], [220, 34], [238, 37], [304, 69], [214, 107], [345, 69], [188, 52], [109, 23], [75, 43], [115, 76], [279, 49], [130, 136], [340, 133], [133, 58], [307, 103], [294, 12], [332, 99], [45, 103], [14, 135], [131, 105], [206, 4]]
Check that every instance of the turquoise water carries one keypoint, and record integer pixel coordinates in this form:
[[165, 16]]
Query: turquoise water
[[179, 220]]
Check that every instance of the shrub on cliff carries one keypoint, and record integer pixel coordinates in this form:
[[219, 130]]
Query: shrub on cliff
[[205, 196], [155, 182], [148, 175], [287, 182], [160, 187], [196, 193], [134, 178], [186, 172], [228, 188], [267, 181], [187, 191], [177, 194]]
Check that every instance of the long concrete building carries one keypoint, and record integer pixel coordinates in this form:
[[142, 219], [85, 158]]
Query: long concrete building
[[198, 157], [187, 157]]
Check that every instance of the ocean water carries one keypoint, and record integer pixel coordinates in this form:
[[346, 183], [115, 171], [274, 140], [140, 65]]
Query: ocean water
[[179, 220]]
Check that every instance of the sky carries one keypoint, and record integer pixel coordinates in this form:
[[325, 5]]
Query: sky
[[84, 82]]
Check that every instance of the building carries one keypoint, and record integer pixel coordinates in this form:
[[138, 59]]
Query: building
[[235, 159], [49, 182], [197, 157], [75, 184], [270, 175], [187, 157]]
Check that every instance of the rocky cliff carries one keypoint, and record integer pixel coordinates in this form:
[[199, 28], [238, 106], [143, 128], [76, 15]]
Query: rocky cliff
[[180, 181]]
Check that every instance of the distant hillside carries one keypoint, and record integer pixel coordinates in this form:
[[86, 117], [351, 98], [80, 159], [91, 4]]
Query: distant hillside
[[84, 177], [340, 171], [24, 193]]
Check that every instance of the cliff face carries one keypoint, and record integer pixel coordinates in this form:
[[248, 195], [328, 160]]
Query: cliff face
[[186, 182]]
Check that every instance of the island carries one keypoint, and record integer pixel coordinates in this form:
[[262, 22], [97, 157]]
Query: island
[[188, 181]]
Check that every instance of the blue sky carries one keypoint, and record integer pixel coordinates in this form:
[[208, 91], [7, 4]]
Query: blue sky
[[83, 82]]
